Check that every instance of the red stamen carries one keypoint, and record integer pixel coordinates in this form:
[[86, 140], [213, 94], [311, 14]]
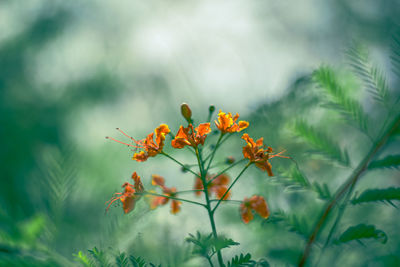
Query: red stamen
[[107, 137]]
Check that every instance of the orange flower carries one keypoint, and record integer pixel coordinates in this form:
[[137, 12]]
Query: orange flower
[[129, 196], [191, 137], [227, 124], [256, 203], [156, 201], [218, 186], [256, 153], [148, 147]]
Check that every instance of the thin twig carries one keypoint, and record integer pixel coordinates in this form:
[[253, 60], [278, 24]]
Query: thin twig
[[352, 180]]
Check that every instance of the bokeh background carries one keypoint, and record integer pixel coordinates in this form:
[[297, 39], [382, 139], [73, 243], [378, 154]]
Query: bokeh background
[[73, 71]]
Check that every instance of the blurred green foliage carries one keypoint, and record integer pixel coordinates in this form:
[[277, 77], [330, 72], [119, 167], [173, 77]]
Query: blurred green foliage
[[52, 190]]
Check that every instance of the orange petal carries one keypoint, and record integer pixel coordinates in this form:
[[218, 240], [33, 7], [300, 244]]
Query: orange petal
[[260, 206], [157, 180], [224, 121], [265, 166], [223, 179], [128, 203], [157, 201], [181, 139], [243, 125], [220, 191], [140, 157], [248, 153], [198, 185], [203, 129], [175, 206], [246, 213], [259, 142]]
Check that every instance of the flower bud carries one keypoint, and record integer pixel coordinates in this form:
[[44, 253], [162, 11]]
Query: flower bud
[[230, 160], [186, 112], [211, 109]]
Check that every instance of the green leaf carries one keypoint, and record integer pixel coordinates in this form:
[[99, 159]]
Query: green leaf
[[99, 256], [322, 190], [350, 109], [388, 195], [321, 142], [137, 261], [122, 260], [362, 231], [222, 242], [372, 77], [395, 54], [292, 222], [84, 260], [241, 260], [207, 245], [392, 161]]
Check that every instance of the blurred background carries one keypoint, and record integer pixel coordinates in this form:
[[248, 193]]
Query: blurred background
[[73, 71]]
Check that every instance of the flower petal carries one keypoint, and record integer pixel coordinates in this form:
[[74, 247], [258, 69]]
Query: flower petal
[[157, 180]]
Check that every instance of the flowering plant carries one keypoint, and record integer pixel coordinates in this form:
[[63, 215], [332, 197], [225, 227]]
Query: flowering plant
[[210, 185]]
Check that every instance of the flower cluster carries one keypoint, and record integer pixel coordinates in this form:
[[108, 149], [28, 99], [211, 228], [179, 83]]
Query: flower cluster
[[217, 185], [194, 138], [168, 193]]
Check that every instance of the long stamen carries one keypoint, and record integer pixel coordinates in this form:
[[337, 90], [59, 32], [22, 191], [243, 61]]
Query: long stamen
[[279, 155], [112, 201], [107, 137], [130, 137]]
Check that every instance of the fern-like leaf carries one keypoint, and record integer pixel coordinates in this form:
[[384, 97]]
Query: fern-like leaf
[[322, 190], [362, 231], [99, 256], [395, 55], [122, 260], [392, 161], [292, 222], [372, 195], [84, 260], [137, 261], [241, 260], [350, 109], [321, 142], [372, 76]]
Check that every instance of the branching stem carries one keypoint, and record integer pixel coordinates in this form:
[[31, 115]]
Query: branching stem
[[349, 184]]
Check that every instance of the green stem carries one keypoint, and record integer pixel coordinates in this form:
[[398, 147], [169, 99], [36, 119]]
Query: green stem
[[225, 170], [227, 200], [210, 212], [349, 184], [223, 141], [174, 198], [189, 191], [180, 163], [232, 184], [215, 150]]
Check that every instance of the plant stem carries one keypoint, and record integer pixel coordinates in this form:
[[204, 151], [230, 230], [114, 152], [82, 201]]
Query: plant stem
[[175, 198], [213, 153], [226, 138], [210, 212], [224, 170], [180, 163], [227, 200], [349, 184], [229, 188]]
